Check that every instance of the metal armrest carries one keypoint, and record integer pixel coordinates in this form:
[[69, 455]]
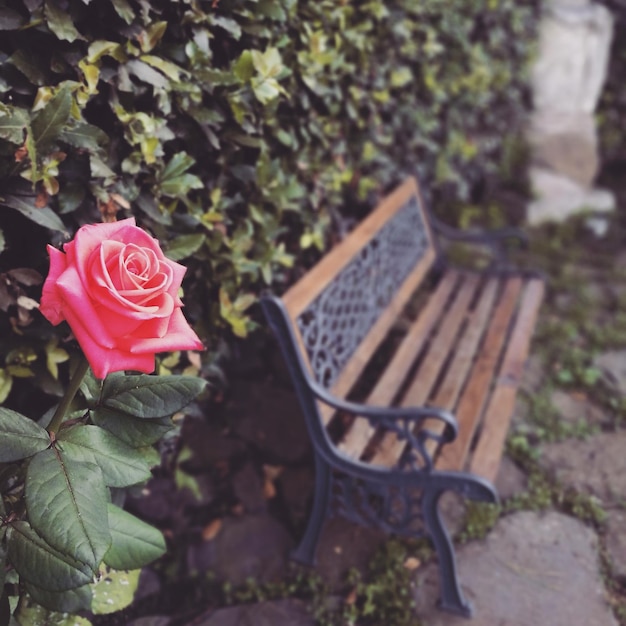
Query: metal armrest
[[386, 414], [493, 239]]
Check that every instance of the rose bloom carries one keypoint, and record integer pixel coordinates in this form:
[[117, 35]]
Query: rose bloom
[[119, 294]]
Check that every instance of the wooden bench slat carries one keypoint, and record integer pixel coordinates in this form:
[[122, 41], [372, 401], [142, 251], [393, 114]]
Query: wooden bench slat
[[390, 448], [461, 364], [486, 458], [476, 392], [356, 438]]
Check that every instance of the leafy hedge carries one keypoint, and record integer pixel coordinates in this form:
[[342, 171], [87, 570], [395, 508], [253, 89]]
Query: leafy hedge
[[233, 130]]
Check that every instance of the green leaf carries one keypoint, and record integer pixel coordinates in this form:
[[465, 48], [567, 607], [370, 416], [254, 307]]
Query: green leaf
[[66, 502], [44, 217], [12, 125], [269, 63], [147, 74], [150, 396], [40, 564], [177, 165], [20, 436], [244, 67], [30, 613], [184, 246], [60, 22], [228, 24], [171, 70], [114, 591], [132, 430], [49, 122], [69, 601], [121, 465], [135, 543], [84, 136], [174, 182], [124, 10]]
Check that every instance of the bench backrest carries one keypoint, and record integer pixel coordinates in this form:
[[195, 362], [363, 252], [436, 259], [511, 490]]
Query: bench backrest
[[345, 305]]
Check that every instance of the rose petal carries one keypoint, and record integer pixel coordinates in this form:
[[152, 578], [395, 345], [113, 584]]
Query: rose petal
[[78, 301], [179, 336], [104, 360], [51, 305], [90, 237]]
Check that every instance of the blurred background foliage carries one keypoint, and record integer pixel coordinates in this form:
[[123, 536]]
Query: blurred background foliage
[[247, 135], [611, 111]]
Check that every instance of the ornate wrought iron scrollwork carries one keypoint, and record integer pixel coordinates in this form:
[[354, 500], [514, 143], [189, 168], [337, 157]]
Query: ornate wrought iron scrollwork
[[394, 508], [335, 323]]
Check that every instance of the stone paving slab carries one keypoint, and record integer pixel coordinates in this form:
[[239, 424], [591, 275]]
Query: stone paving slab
[[277, 613], [532, 570], [595, 465]]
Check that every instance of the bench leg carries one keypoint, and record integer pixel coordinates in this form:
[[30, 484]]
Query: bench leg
[[305, 551], [452, 598]]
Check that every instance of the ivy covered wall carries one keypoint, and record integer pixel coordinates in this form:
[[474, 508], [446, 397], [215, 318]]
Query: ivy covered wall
[[236, 131]]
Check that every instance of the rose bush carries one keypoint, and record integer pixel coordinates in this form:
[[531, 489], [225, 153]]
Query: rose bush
[[64, 536], [119, 294]]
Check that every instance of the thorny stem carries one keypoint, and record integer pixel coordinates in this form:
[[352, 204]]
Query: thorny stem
[[73, 387]]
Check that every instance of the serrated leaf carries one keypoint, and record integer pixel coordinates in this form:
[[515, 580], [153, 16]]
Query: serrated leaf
[[131, 430], [184, 246], [40, 564], [149, 397], [49, 122], [114, 591], [60, 22], [69, 601], [66, 503], [13, 124], [135, 543], [45, 217], [121, 465], [20, 437]]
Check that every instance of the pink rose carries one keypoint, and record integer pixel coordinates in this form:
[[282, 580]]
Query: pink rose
[[119, 294]]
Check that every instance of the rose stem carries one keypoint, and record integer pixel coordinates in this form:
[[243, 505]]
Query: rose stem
[[75, 381]]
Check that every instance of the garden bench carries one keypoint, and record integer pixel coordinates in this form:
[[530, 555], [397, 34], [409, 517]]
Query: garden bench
[[436, 416]]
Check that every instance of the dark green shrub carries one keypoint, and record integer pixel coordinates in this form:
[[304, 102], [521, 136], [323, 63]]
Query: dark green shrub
[[234, 131]]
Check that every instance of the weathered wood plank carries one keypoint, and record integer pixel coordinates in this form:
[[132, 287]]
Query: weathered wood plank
[[486, 457], [476, 392], [390, 448], [459, 368]]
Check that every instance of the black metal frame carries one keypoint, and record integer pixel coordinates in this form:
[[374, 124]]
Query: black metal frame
[[396, 485]]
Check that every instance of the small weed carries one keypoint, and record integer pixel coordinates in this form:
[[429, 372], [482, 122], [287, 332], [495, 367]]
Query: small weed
[[383, 595], [480, 518]]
